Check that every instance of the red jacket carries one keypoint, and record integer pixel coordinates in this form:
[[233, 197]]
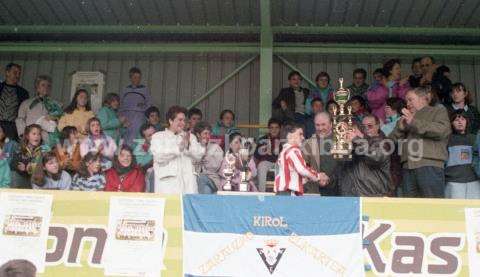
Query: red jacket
[[134, 181]]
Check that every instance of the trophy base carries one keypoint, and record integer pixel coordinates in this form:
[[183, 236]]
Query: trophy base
[[227, 187], [243, 186], [342, 155]]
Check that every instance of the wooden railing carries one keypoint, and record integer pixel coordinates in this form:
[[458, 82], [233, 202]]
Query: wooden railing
[[252, 126]]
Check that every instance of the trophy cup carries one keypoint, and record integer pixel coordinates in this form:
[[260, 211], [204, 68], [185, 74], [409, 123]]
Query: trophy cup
[[342, 124], [229, 171], [244, 154]]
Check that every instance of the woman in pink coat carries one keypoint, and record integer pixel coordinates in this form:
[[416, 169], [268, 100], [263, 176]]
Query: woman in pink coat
[[391, 85]]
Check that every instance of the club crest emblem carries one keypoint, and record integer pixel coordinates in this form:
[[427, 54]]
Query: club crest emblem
[[271, 254]]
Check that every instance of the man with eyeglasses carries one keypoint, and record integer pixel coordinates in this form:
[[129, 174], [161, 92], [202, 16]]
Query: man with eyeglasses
[[371, 125], [368, 173]]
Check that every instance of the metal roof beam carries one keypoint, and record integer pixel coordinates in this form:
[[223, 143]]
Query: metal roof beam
[[239, 29], [216, 47], [376, 31], [376, 49], [128, 29], [119, 47]]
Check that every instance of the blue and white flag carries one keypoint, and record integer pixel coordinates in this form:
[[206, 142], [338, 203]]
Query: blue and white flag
[[271, 236]]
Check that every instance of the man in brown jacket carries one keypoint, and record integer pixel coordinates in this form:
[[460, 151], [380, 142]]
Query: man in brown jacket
[[316, 152], [422, 135]]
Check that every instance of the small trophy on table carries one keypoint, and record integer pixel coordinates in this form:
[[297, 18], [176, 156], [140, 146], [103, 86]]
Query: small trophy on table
[[244, 154], [229, 171], [342, 124]]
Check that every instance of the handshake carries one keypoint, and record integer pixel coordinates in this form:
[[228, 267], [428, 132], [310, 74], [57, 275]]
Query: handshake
[[322, 178]]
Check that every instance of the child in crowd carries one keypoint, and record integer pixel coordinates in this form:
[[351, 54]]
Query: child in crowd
[[143, 155], [112, 124], [27, 156], [331, 105], [462, 181], [359, 108], [461, 101], [125, 175], [233, 150], [7, 147], [153, 117], [97, 141], [142, 152], [49, 175], [68, 150], [89, 176], [268, 148], [224, 127], [393, 113], [378, 77], [77, 113], [194, 116], [292, 169], [226, 124]]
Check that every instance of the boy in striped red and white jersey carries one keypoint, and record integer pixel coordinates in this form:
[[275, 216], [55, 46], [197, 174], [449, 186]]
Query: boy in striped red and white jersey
[[293, 171]]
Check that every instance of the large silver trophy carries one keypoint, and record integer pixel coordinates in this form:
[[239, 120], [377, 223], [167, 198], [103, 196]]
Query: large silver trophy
[[342, 124]]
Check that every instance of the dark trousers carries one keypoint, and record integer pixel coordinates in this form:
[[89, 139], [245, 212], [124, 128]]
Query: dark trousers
[[10, 129], [426, 181]]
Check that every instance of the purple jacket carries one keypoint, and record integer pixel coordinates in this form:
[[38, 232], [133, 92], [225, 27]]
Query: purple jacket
[[378, 94], [135, 99], [133, 103]]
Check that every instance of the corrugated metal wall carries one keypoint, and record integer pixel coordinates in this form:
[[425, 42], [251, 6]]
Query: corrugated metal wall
[[180, 79], [173, 79]]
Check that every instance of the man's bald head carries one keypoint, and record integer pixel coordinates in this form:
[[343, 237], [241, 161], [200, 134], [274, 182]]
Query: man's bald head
[[323, 124]]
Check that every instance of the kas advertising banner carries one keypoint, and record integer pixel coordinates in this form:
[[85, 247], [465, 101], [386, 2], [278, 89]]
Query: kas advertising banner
[[272, 236], [84, 225], [421, 237]]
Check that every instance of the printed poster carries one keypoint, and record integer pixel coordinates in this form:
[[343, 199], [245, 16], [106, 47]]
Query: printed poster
[[24, 222], [136, 237]]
